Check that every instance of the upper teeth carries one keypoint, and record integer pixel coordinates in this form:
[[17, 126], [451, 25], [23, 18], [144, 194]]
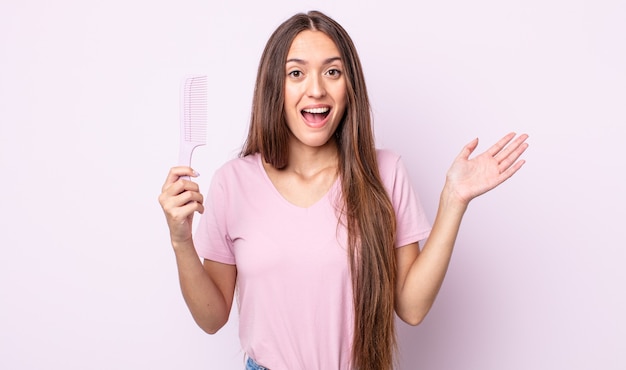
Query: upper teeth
[[317, 110]]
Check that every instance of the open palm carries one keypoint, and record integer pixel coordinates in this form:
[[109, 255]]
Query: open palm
[[469, 178]]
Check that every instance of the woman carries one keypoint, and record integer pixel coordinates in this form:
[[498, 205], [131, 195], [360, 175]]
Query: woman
[[317, 229]]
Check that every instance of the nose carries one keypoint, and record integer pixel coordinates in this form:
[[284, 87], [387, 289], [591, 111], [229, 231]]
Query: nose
[[315, 86]]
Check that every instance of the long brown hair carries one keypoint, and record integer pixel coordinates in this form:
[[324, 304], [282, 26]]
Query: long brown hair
[[366, 208]]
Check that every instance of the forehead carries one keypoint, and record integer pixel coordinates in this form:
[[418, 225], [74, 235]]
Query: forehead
[[310, 44]]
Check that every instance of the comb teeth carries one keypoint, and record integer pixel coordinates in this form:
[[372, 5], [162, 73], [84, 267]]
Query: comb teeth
[[195, 109], [193, 116]]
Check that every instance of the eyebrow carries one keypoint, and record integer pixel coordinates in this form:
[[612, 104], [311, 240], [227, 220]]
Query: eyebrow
[[302, 61]]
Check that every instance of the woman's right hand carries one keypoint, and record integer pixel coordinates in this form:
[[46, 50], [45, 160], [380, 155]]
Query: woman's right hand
[[208, 287], [180, 198]]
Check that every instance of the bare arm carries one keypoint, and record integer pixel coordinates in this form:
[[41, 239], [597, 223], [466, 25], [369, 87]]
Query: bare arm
[[420, 274], [207, 288]]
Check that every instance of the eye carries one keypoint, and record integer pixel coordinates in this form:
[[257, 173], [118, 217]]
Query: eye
[[295, 74], [334, 72]]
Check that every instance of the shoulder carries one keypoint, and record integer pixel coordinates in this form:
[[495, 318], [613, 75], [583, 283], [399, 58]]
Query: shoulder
[[387, 161], [247, 164], [392, 170], [238, 170], [387, 155]]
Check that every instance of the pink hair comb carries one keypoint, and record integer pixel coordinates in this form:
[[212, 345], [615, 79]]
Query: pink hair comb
[[193, 116]]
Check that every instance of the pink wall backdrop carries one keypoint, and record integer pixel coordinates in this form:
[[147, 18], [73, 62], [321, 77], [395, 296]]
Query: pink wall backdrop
[[89, 128]]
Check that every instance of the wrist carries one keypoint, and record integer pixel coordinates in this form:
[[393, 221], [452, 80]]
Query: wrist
[[451, 199], [182, 245]]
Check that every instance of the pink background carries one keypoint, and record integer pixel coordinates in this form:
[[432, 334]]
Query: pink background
[[89, 128]]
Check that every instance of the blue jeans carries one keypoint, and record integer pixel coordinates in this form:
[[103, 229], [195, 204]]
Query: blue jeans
[[251, 365]]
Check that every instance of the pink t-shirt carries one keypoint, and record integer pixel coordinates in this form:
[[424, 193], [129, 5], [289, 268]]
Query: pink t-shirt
[[294, 290]]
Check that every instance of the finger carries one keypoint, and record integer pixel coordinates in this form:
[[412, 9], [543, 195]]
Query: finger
[[177, 172], [510, 171], [512, 157], [468, 149], [171, 202], [179, 193], [179, 207], [180, 215], [179, 186], [512, 151], [186, 197], [188, 185], [497, 147], [189, 208], [173, 189]]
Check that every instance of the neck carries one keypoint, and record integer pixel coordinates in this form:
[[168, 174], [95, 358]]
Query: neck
[[308, 161]]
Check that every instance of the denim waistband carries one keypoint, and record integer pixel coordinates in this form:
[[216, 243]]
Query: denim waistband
[[252, 365]]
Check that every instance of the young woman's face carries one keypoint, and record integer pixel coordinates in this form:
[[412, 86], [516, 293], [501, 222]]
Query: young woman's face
[[315, 88]]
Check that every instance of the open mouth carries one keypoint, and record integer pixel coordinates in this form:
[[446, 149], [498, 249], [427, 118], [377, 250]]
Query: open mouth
[[315, 115]]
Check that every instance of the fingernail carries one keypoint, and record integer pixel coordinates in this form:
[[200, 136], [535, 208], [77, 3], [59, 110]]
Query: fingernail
[[196, 173]]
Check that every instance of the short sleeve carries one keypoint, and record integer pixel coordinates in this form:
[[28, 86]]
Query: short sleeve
[[211, 239], [412, 223]]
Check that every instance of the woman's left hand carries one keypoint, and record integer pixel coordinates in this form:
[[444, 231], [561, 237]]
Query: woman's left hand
[[468, 178]]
